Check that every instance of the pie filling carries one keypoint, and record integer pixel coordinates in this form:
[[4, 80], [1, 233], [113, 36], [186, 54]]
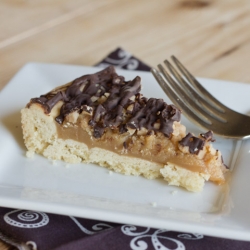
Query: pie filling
[[155, 147]]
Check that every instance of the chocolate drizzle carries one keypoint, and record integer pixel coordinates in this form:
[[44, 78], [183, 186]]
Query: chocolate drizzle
[[155, 110], [208, 136], [194, 143], [123, 106]]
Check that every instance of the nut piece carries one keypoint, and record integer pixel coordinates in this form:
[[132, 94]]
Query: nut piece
[[72, 117], [142, 131]]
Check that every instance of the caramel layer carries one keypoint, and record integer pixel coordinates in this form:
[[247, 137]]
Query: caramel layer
[[155, 148]]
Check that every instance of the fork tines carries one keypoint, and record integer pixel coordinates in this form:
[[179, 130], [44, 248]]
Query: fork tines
[[188, 94]]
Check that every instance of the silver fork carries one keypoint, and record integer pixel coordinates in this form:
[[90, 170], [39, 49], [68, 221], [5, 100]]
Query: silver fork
[[198, 104]]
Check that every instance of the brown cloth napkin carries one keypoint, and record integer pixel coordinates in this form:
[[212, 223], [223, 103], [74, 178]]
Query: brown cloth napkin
[[23, 229]]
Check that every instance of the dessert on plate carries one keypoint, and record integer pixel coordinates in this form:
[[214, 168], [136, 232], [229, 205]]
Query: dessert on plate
[[103, 118]]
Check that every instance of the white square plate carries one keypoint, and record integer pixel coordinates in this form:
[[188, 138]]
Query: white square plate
[[87, 190]]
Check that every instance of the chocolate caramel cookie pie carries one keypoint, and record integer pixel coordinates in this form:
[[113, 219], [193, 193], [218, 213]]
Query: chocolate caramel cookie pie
[[102, 118]]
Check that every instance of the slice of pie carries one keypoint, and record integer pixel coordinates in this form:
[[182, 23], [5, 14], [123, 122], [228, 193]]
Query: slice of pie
[[101, 118]]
